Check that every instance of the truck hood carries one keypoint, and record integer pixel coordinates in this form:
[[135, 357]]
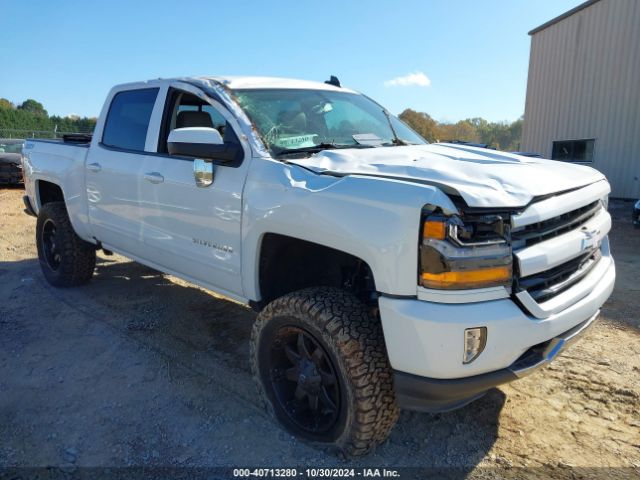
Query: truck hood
[[482, 177]]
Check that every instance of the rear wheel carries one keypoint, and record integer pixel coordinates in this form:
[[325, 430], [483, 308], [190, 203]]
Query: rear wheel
[[65, 259], [320, 363]]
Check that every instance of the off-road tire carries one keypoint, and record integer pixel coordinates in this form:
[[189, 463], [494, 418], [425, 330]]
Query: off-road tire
[[77, 257], [355, 343]]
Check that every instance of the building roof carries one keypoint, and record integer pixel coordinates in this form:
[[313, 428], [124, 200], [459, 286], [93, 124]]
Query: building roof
[[559, 18]]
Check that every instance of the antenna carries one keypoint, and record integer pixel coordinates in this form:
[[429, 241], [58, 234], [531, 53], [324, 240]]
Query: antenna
[[333, 80]]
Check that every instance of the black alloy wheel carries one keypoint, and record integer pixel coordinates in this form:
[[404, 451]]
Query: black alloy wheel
[[50, 247], [304, 380]]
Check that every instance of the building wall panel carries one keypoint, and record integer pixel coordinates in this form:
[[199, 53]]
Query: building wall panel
[[584, 82]]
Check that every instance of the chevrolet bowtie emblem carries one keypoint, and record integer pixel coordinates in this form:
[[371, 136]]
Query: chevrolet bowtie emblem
[[590, 239]]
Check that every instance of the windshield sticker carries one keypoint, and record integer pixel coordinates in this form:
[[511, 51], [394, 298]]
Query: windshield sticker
[[297, 141]]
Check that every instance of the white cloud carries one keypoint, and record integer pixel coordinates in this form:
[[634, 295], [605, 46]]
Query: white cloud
[[417, 79]]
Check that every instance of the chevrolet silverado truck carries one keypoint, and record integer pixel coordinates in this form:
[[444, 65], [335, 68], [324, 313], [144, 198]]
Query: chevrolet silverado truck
[[388, 272]]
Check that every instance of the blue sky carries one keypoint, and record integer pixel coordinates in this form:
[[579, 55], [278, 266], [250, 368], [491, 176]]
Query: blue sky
[[470, 56]]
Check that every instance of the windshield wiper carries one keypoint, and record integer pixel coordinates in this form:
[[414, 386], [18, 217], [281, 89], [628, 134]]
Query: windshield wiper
[[318, 148], [396, 139]]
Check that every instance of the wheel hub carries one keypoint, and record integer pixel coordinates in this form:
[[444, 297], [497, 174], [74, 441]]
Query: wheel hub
[[309, 378]]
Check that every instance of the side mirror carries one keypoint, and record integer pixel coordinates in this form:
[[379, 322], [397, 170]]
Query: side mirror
[[201, 142]]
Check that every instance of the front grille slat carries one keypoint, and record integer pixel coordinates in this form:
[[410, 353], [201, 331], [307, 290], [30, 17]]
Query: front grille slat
[[552, 282], [541, 231]]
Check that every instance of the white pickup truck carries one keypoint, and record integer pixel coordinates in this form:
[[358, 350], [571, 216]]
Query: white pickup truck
[[388, 272]]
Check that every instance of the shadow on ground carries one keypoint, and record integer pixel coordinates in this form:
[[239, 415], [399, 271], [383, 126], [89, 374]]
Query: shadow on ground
[[168, 357]]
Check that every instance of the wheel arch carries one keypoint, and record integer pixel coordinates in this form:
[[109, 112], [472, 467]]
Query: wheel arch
[[47, 191], [286, 264]]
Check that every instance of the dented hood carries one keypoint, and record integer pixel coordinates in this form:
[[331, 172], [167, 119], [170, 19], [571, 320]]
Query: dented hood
[[483, 177]]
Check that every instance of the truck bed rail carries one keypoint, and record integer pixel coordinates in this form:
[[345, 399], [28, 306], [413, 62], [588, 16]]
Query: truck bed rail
[[77, 138]]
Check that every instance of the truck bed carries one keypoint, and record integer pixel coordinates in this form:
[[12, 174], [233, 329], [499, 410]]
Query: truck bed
[[61, 163], [81, 140]]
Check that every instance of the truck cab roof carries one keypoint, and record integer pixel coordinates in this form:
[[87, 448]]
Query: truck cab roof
[[248, 82]]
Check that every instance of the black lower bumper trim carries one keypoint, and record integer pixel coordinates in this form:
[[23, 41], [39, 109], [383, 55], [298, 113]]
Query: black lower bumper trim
[[440, 395], [424, 394]]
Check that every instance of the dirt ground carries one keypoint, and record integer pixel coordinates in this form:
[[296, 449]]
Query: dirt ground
[[139, 368]]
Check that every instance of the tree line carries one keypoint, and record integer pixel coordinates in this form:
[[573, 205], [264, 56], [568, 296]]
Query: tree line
[[31, 115], [499, 135]]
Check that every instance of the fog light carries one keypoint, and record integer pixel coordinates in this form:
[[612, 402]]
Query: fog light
[[475, 340]]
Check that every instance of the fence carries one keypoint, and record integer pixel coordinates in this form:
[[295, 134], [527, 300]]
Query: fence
[[15, 133]]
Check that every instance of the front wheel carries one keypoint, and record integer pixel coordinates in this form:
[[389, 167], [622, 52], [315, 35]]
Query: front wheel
[[320, 362], [65, 259]]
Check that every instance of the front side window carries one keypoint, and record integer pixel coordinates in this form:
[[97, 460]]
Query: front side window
[[297, 119], [185, 110], [128, 119], [573, 150]]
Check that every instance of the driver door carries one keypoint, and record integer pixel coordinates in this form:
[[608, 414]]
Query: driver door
[[194, 230]]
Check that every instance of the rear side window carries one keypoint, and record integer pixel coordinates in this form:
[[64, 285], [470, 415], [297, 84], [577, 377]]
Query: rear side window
[[128, 119]]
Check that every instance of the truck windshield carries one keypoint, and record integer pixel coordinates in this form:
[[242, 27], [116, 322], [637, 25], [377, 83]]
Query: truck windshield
[[306, 121], [10, 147]]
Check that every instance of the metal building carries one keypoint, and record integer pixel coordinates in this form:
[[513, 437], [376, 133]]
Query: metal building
[[583, 91]]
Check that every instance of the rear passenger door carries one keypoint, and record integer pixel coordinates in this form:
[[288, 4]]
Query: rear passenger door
[[115, 169]]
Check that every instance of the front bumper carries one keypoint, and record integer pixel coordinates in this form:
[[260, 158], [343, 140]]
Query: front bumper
[[425, 340], [10, 174], [440, 395]]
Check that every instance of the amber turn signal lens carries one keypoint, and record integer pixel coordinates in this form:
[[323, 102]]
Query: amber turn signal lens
[[486, 277], [434, 229]]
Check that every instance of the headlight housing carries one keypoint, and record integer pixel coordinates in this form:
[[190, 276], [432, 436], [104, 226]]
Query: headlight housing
[[459, 252]]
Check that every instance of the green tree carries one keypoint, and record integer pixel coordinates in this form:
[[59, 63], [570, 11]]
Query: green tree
[[421, 122], [30, 105], [31, 118], [499, 135]]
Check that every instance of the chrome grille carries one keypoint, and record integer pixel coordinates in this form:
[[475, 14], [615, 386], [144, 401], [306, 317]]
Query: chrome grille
[[552, 227], [545, 285], [550, 283]]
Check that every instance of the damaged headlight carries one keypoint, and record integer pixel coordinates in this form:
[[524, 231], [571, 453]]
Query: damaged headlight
[[472, 251]]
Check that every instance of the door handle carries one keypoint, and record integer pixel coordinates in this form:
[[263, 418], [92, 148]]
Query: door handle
[[94, 167], [153, 177]]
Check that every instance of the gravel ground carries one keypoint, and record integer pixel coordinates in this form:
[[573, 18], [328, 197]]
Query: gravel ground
[[140, 368]]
